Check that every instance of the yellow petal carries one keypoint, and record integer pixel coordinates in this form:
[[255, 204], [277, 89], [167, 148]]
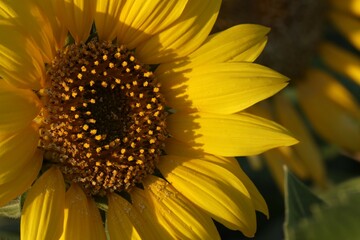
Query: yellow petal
[[139, 20], [276, 162], [306, 150], [341, 61], [174, 147], [78, 16], [18, 108], [348, 26], [351, 6], [177, 214], [213, 189], [132, 221], [43, 212], [230, 87], [82, 219], [16, 150], [32, 23], [56, 32], [332, 110], [228, 135], [23, 179], [107, 18], [241, 43], [185, 35], [21, 62]]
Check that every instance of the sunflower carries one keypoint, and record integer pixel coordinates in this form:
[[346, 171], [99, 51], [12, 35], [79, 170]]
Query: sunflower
[[321, 96], [330, 102], [130, 113]]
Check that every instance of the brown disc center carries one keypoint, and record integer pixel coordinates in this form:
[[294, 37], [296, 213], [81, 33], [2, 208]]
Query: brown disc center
[[103, 117]]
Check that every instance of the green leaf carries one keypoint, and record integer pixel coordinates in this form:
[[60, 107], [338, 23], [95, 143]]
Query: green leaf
[[12, 209], [338, 217], [7, 235], [298, 200]]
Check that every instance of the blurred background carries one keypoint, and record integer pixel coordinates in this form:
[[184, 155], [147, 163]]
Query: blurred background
[[316, 44]]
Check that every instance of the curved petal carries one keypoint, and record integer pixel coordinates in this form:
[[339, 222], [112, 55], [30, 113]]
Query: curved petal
[[240, 43], [350, 6], [185, 35], [174, 147], [341, 61], [28, 18], [82, 218], [16, 151], [139, 20], [212, 188], [43, 212], [177, 214], [18, 108], [78, 16], [133, 221], [228, 135], [230, 87], [56, 32], [107, 15], [333, 111], [21, 182], [348, 26], [21, 63], [306, 150]]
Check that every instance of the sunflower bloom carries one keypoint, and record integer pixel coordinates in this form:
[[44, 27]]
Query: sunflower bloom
[[131, 107]]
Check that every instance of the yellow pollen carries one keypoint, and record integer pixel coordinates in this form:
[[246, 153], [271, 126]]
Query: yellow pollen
[[79, 135], [123, 150], [98, 137], [147, 74], [83, 68], [93, 71], [111, 65], [117, 55], [118, 81], [86, 145], [76, 116], [92, 82], [104, 84], [98, 149], [79, 76], [96, 63], [148, 106], [105, 57], [137, 67], [132, 58], [91, 120], [85, 127], [92, 101], [156, 89], [72, 108], [81, 88], [93, 131], [130, 158], [124, 63], [145, 84], [88, 155], [74, 94]]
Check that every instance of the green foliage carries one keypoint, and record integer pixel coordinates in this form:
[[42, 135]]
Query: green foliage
[[12, 209], [336, 215]]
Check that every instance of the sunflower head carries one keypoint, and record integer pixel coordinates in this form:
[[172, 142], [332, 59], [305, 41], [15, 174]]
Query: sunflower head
[[131, 106]]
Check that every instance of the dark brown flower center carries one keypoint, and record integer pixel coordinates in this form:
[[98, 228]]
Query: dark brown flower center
[[104, 117]]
